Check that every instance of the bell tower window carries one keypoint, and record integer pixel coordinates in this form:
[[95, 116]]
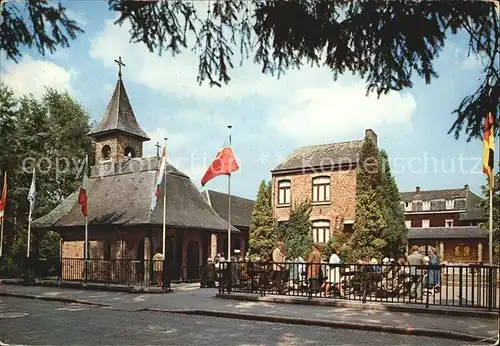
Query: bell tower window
[[106, 153], [129, 152]]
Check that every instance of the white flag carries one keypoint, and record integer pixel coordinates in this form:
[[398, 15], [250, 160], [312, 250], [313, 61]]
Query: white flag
[[32, 195]]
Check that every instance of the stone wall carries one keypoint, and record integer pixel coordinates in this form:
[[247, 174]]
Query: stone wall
[[340, 209]]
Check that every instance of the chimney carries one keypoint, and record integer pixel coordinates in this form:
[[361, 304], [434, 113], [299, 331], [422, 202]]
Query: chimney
[[372, 135], [466, 187], [417, 189]]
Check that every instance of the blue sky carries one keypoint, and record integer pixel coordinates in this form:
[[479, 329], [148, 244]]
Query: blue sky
[[270, 117]]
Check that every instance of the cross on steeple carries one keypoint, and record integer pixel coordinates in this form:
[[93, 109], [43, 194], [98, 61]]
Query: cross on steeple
[[158, 146], [120, 64]]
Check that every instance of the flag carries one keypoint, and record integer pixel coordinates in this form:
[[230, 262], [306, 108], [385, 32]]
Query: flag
[[32, 195], [82, 197], [224, 164], [160, 175], [3, 197], [489, 148]]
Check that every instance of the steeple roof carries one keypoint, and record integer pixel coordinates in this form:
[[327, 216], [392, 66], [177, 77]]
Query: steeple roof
[[119, 116]]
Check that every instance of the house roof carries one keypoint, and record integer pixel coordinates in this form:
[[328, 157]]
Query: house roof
[[460, 232], [324, 155], [429, 195], [124, 198], [119, 116], [241, 208]]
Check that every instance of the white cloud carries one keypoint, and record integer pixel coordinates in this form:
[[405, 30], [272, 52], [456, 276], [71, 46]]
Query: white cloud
[[32, 76], [323, 114]]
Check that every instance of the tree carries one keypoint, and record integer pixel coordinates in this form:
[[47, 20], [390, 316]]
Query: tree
[[49, 134], [376, 40], [262, 237], [496, 211], [395, 234], [369, 223], [296, 231]]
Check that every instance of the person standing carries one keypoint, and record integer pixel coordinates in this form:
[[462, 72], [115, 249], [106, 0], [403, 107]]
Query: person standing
[[334, 273], [158, 266], [416, 262], [434, 272], [313, 263], [279, 266]]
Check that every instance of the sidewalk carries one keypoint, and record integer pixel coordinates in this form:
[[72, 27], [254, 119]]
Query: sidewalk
[[192, 300]]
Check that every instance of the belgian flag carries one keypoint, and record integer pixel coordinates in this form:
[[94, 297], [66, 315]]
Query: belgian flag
[[489, 148]]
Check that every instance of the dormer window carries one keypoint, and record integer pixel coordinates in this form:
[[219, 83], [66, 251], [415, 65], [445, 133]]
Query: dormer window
[[408, 206], [106, 153], [450, 204], [460, 203], [426, 205]]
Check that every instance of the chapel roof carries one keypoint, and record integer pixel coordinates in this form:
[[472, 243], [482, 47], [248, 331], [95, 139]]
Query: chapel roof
[[241, 208], [123, 197], [119, 116]]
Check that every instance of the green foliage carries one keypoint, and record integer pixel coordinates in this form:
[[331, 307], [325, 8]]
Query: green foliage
[[262, 237], [296, 232], [45, 26], [367, 239], [49, 134], [373, 39], [338, 241], [395, 234]]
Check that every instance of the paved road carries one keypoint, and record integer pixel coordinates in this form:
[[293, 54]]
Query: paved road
[[58, 323], [190, 297]]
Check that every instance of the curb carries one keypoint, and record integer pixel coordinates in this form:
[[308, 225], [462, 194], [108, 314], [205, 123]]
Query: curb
[[365, 306], [90, 286], [53, 299], [436, 333]]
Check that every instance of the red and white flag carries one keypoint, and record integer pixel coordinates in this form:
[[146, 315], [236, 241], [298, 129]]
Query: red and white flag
[[224, 164], [83, 196]]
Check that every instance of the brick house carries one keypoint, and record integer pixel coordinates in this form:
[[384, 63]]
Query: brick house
[[326, 176], [121, 223], [449, 221], [241, 217]]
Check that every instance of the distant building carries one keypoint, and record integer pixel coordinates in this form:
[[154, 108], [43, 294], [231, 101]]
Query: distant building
[[449, 221], [241, 218], [325, 175]]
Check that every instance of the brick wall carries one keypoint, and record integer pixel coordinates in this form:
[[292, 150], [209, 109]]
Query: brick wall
[[435, 220], [342, 191], [118, 144]]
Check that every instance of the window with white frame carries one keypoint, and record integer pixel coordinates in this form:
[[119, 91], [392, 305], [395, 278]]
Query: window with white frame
[[450, 204], [321, 189], [408, 223], [426, 205], [284, 192], [448, 223], [321, 231], [426, 223]]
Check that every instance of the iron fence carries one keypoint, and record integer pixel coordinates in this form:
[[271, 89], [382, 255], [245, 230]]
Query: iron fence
[[125, 272], [451, 285]]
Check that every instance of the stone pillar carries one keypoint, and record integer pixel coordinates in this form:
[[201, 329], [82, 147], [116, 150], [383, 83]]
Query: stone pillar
[[213, 245], [480, 251], [441, 251]]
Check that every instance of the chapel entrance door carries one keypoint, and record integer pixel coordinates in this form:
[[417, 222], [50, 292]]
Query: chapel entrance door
[[193, 260]]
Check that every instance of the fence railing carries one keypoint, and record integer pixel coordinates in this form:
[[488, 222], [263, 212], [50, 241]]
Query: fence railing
[[459, 286], [116, 271]]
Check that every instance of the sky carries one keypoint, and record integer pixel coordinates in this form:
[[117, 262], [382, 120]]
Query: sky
[[270, 117]]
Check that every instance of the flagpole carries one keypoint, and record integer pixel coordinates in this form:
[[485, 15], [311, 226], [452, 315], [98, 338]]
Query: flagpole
[[1, 235], [164, 235], [86, 248], [229, 206], [30, 214]]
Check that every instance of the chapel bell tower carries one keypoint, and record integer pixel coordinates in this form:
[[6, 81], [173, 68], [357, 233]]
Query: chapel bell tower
[[118, 135]]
